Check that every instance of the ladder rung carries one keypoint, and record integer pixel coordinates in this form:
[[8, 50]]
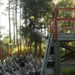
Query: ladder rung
[[50, 60], [50, 71], [51, 57]]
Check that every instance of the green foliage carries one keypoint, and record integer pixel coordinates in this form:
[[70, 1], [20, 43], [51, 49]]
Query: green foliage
[[35, 37], [35, 7], [42, 8], [69, 71], [65, 4], [25, 31]]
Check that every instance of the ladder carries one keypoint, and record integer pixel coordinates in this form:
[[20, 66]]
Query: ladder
[[52, 58], [48, 62]]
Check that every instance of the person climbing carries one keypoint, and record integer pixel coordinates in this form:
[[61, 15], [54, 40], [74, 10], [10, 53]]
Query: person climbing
[[35, 29]]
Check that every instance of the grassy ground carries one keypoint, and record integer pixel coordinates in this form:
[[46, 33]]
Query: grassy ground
[[68, 71], [68, 67]]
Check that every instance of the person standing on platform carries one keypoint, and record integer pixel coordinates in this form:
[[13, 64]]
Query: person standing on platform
[[53, 26]]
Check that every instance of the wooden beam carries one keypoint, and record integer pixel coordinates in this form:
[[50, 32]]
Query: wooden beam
[[65, 8], [63, 19]]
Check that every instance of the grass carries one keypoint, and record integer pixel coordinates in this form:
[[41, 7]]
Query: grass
[[69, 71]]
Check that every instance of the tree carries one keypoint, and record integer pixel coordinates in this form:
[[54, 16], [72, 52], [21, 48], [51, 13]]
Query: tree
[[38, 8], [31, 36], [65, 4]]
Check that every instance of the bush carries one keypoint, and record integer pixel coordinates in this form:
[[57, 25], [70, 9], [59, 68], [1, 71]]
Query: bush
[[69, 71]]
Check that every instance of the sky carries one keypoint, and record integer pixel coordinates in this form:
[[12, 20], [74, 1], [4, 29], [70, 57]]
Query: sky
[[4, 20]]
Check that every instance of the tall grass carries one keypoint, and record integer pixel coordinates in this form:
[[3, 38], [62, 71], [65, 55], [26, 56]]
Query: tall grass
[[69, 71]]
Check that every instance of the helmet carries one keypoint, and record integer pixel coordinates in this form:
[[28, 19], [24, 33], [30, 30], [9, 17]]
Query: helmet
[[32, 17]]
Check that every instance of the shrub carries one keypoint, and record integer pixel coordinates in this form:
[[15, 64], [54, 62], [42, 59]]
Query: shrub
[[68, 71]]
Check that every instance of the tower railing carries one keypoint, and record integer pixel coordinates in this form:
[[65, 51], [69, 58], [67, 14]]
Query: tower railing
[[69, 28], [56, 18]]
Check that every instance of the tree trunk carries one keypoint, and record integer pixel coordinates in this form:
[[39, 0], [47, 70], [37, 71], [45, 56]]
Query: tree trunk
[[35, 53]]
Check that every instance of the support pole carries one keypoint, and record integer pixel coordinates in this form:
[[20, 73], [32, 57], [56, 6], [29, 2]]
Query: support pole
[[55, 25], [18, 51], [57, 58], [9, 22], [40, 50], [30, 48], [7, 52], [20, 26], [0, 51]]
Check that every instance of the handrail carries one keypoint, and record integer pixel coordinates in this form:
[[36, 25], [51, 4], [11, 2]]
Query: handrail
[[65, 8], [59, 19], [70, 27]]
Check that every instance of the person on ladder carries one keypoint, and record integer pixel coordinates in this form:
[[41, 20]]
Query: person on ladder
[[35, 29]]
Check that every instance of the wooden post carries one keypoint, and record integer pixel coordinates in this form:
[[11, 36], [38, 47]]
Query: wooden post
[[18, 51], [50, 28], [30, 49], [7, 52], [0, 51], [55, 24], [71, 26], [10, 48], [20, 47], [57, 58], [40, 50]]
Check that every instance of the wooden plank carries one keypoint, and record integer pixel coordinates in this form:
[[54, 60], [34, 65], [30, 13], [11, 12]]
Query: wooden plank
[[65, 8], [63, 19], [50, 71], [57, 58], [66, 37]]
